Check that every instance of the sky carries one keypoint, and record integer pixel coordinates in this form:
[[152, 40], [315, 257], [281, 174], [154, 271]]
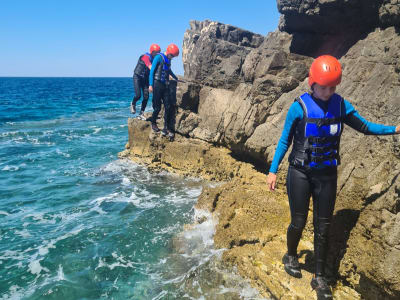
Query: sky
[[87, 38]]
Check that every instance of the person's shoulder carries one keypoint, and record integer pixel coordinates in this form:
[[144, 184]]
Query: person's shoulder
[[295, 110]]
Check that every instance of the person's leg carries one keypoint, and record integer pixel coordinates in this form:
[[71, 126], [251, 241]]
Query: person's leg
[[299, 192], [167, 109], [324, 197], [137, 88], [158, 89], [298, 189], [172, 101], [145, 95]]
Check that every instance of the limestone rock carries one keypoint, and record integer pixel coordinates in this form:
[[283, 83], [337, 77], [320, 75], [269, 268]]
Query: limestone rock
[[213, 53], [333, 16]]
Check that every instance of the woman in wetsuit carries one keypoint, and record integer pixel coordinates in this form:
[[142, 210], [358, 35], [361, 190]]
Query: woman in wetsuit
[[314, 123]]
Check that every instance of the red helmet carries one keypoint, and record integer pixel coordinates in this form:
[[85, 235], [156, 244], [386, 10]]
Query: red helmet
[[173, 50], [154, 47], [325, 70]]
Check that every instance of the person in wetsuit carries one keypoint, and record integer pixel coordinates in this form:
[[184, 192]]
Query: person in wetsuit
[[314, 124], [141, 78], [159, 85]]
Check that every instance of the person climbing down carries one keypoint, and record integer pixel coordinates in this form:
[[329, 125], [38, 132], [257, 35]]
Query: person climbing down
[[141, 79], [314, 123], [159, 85]]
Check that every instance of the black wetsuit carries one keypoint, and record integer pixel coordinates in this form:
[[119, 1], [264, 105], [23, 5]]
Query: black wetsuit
[[164, 91], [320, 183], [141, 82]]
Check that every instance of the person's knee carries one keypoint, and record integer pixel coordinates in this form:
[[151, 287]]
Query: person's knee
[[298, 223], [136, 97], [323, 227], [146, 94]]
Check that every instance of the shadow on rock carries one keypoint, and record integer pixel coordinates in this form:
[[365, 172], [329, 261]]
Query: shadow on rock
[[342, 223]]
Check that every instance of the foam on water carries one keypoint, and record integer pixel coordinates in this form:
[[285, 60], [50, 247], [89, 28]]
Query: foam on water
[[76, 222]]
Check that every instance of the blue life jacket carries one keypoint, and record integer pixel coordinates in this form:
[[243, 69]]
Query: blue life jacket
[[141, 69], [317, 135], [162, 71]]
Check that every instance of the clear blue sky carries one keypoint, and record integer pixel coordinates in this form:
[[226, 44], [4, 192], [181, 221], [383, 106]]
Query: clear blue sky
[[105, 38]]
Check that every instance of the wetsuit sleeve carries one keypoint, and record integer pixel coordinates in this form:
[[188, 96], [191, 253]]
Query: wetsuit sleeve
[[156, 61], [146, 60], [355, 121], [172, 74], [294, 115]]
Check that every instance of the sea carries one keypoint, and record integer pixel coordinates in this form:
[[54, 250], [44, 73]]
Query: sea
[[77, 222]]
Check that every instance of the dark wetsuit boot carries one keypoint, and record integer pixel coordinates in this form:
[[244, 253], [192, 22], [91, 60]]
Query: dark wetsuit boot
[[320, 285], [291, 265]]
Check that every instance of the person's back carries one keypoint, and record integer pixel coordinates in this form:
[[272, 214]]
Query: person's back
[[141, 78]]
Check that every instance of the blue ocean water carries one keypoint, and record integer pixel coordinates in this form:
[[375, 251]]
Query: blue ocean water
[[76, 222]]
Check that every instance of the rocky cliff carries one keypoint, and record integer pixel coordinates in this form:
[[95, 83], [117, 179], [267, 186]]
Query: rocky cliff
[[229, 118]]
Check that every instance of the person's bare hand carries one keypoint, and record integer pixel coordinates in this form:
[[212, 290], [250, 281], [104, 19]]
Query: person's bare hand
[[151, 89], [271, 181]]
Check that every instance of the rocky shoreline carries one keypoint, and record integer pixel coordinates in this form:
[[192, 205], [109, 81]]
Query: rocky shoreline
[[251, 220], [231, 110]]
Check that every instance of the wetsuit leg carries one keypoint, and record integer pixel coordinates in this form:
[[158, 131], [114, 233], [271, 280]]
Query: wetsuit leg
[[298, 187], [167, 108], [324, 196], [145, 94], [158, 92], [137, 85], [172, 102]]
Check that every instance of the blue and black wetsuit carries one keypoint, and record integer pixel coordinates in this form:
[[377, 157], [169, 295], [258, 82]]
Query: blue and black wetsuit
[[314, 126], [159, 80], [141, 79]]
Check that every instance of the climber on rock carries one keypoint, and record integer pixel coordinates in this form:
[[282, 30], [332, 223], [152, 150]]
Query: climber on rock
[[160, 74], [141, 79], [314, 123]]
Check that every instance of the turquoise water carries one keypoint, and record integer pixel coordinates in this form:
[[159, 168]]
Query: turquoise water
[[76, 222]]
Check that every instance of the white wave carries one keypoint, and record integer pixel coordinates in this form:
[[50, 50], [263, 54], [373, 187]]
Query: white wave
[[126, 181], [203, 230], [24, 233], [4, 213], [14, 293], [58, 151], [98, 201], [97, 130], [35, 268], [11, 255], [98, 210], [39, 217], [10, 168], [121, 262], [60, 273]]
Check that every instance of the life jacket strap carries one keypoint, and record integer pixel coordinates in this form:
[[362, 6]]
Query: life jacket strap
[[322, 158], [321, 150], [321, 122], [322, 140]]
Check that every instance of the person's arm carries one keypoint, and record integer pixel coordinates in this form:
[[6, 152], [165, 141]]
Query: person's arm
[[156, 61], [173, 75], [355, 121], [146, 61], [294, 114]]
